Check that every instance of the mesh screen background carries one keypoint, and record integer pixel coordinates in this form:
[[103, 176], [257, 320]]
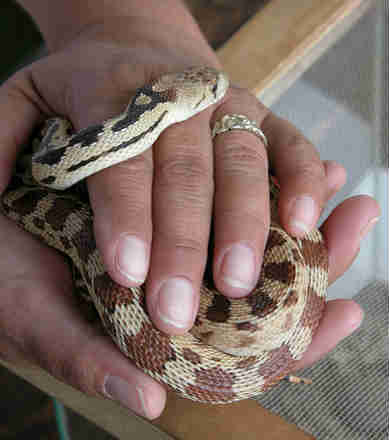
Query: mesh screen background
[[349, 396]]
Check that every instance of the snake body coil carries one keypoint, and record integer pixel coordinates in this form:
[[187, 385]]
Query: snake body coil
[[238, 348]]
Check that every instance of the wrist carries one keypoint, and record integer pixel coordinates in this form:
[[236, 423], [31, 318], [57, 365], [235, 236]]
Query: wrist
[[161, 44], [64, 21]]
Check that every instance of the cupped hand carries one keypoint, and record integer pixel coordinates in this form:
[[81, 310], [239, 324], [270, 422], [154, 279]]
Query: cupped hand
[[40, 320], [153, 213]]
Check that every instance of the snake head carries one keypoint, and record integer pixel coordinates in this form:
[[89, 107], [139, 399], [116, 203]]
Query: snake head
[[193, 90]]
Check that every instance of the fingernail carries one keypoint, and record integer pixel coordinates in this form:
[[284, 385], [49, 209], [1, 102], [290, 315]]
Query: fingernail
[[238, 267], [131, 258], [302, 213], [176, 302], [369, 226], [131, 397]]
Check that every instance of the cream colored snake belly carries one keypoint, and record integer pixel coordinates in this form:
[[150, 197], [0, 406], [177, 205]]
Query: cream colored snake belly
[[237, 348]]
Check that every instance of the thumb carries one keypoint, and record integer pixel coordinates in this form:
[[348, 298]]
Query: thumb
[[21, 109]]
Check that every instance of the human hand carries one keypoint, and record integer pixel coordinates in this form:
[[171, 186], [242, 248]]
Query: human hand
[[152, 214], [40, 320], [162, 199]]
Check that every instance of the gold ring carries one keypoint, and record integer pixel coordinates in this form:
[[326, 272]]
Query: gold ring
[[238, 122]]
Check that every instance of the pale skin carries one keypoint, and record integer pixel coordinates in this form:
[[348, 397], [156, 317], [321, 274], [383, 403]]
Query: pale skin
[[156, 208]]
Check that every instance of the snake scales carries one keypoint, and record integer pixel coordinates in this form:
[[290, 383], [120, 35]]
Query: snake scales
[[237, 348]]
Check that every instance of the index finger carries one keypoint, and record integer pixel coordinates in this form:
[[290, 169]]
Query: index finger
[[18, 104]]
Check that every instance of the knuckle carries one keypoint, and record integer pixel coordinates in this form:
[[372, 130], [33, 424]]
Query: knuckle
[[123, 188], [134, 216], [181, 241], [310, 171], [136, 169], [186, 237], [23, 89], [15, 84], [129, 177], [189, 171], [75, 369], [128, 201], [297, 141], [308, 157], [241, 156], [193, 247]]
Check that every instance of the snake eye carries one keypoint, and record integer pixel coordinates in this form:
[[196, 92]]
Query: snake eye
[[214, 89]]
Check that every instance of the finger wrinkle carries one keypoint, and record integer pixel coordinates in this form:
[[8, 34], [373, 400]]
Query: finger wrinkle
[[240, 156], [22, 86], [190, 171], [312, 173], [183, 245]]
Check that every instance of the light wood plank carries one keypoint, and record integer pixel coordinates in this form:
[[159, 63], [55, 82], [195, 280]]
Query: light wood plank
[[187, 420], [283, 40]]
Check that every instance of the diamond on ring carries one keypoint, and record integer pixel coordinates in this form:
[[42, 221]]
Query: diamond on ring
[[238, 122]]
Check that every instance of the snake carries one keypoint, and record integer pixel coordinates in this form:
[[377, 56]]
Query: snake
[[237, 348]]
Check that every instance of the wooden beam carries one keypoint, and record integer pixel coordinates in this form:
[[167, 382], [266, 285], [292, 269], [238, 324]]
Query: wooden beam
[[283, 40]]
